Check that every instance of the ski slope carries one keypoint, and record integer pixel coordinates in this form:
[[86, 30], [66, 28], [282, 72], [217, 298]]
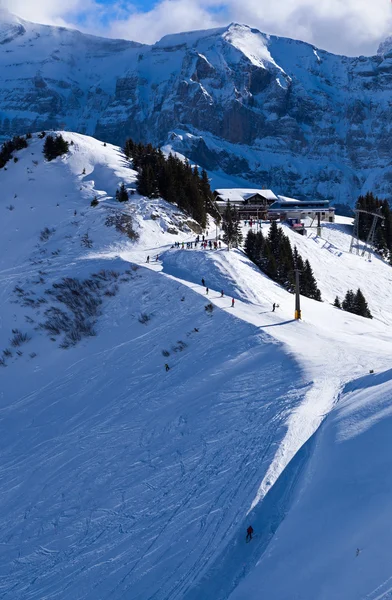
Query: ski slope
[[335, 540], [119, 479]]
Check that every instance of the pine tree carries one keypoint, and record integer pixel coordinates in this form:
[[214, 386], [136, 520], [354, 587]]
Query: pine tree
[[337, 302], [348, 302], [311, 289], [122, 194], [360, 306], [54, 147], [231, 226], [146, 182], [237, 228]]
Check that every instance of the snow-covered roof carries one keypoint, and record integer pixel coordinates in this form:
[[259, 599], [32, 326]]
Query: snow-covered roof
[[241, 194], [287, 200]]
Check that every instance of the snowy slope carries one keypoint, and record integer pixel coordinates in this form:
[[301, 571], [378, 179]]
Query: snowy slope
[[119, 478], [110, 466]]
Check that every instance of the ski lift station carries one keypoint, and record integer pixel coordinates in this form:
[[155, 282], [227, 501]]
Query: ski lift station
[[264, 204]]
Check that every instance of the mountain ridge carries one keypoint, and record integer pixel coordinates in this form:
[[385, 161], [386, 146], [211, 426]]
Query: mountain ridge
[[260, 109]]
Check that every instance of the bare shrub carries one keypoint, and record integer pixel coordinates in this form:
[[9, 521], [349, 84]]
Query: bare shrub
[[166, 353], [56, 321], [11, 207], [19, 338], [82, 302], [7, 353], [180, 346], [2, 362], [46, 233], [33, 355], [112, 291], [123, 223], [144, 318], [209, 307], [19, 291], [86, 241]]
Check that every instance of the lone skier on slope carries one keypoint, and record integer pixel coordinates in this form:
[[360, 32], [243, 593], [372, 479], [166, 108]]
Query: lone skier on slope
[[232, 303], [167, 367], [273, 307], [249, 532]]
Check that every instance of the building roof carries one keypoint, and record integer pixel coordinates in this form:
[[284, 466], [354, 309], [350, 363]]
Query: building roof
[[285, 203], [241, 194]]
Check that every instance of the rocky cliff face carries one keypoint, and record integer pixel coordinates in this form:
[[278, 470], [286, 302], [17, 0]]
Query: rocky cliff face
[[272, 111]]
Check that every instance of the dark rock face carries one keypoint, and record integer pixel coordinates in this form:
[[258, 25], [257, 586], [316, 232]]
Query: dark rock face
[[272, 111]]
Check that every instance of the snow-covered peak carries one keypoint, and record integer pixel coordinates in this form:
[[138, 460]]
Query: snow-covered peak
[[10, 26], [385, 47], [251, 42]]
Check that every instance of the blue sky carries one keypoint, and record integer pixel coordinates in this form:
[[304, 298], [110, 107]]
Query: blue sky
[[343, 26]]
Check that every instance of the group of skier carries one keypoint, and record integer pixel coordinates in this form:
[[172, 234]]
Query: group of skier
[[203, 245]]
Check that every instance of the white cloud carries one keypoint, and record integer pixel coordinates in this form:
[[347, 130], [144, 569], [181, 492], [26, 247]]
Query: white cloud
[[343, 26]]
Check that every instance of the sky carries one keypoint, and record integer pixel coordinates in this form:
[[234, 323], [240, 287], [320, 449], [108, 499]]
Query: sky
[[342, 26]]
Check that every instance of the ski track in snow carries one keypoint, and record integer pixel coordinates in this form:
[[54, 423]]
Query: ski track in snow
[[118, 479]]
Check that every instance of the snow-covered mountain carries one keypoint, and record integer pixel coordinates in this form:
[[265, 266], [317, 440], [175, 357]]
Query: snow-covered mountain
[[119, 479], [268, 110]]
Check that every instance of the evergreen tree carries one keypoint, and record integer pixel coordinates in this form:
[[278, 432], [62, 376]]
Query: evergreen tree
[[275, 257], [360, 306], [172, 179], [146, 182], [337, 302], [10, 146], [122, 194], [356, 304], [54, 147], [348, 302], [228, 225], [310, 284], [231, 226], [237, 228]]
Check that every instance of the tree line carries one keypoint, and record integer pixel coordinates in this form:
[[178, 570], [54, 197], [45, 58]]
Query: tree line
[[278, 260], [172, 179], [11, 146]]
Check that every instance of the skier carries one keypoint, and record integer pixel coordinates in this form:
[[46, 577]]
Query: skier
[[203, 283], [167, 367], [249, 532], [157, 258], [222, 294], [232, 303], [273, 307], [207, 291], [148, 259]]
